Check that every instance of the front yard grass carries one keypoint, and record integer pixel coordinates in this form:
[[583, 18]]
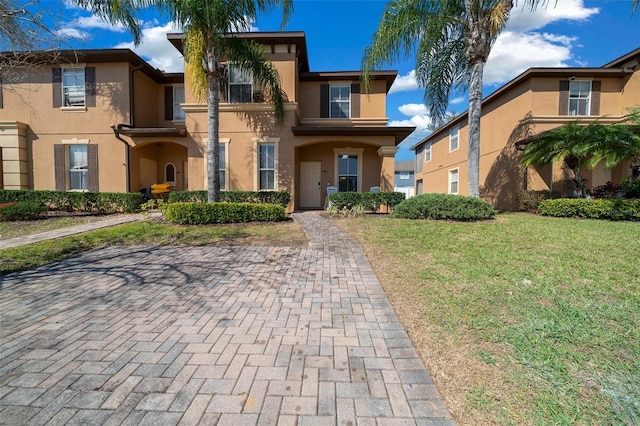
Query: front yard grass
[[151, 233], [520, 320]]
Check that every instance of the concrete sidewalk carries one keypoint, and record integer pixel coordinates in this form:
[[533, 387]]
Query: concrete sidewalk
[[72, 230], [210, 335]]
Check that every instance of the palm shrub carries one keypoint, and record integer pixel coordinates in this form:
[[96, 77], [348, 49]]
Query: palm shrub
[[444, 206]]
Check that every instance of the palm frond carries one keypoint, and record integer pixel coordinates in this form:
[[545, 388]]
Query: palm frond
[[251, 56]]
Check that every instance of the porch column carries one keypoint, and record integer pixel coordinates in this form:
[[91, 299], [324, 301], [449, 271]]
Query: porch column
[[388, 167], [13, 154]]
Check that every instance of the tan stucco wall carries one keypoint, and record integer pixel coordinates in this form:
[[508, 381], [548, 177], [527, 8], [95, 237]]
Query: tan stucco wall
[[527, 109], [372, 105]]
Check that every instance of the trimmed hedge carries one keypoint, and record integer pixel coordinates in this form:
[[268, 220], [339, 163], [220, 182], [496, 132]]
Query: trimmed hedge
[[367, 201], [23, 210], [528, 201], [444, 206], [222, 212], [93, 202], [620, 209], [256, 197]]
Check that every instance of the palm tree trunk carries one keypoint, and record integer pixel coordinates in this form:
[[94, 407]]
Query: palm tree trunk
[[475, 101], [213, 141]]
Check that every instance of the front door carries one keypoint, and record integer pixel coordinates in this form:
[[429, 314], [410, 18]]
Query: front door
[[310, 184]]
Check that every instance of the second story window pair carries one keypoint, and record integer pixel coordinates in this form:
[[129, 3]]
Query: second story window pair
[[240, 85]]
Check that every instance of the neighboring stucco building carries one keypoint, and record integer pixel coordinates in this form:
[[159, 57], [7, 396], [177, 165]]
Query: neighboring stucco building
[[105, 120], [537, 100], [404, 180]]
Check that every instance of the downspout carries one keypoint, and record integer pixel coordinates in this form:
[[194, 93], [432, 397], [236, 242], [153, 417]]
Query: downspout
[[116, 129]]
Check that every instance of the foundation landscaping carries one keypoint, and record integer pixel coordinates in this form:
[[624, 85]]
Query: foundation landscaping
[[520, 318]]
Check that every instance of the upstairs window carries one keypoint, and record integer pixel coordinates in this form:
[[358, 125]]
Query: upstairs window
[[178, 98], [339, 100], [454, 138], [240, 85], [427, 152], [73, 87], [579, 97]]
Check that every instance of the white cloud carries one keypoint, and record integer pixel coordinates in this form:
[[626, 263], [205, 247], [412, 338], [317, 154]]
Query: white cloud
[[411, 110], [523, 19], [90, 22], [156, 49], [404, 83], [72, 33], [458, 100], [514, 53], [520, 47]]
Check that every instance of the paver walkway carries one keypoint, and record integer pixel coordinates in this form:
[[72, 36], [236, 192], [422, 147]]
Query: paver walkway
[[210, 335]]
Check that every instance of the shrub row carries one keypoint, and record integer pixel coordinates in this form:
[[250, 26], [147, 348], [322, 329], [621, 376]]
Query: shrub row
[[23, 210], [223, 212], [367, 201], [528, 201], [444, 206], [620, 209], [93, 202], [256, 197]]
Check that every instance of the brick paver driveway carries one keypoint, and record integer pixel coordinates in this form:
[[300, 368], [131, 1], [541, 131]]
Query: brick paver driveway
[[206, 335]]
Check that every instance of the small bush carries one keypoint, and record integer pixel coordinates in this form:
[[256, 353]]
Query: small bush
[[630, 189], [619, 209], [363, 201], [91, 202], [281, 198], [444, 206], [222, 212], [528, 201], [608, 190], [23, 210]]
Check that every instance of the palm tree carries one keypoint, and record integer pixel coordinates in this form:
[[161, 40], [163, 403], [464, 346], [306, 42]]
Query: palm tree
[[579, 146], [209, 39], [453, 39]]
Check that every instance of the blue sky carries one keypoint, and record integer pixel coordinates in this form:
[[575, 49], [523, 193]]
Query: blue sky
[[571, 34]]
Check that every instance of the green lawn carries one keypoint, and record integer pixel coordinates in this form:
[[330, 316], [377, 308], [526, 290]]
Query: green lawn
[[521, 320], [150, 233]]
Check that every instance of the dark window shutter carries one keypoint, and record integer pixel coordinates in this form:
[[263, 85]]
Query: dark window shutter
[[57, 87], [60, 169], [92, 166], [596, 87], [324, 101], [1, 105], [168, 102], [355, 101], [563, 107], [90, 86]]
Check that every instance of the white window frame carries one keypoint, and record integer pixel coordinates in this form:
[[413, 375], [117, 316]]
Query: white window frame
[[337, 152], [453, 172], [178, 98], [581, 97], [223, 160], [257, 142], [175, 172], [454, 138], [82, 170], [248, 81], [77, 90], [427, 152], [340, 100]]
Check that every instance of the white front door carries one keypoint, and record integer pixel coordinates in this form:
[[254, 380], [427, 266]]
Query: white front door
[[310, 184]]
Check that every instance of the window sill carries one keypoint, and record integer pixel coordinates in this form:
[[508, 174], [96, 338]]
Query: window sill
[[73, 109]]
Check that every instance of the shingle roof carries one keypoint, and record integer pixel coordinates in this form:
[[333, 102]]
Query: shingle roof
[[404, 166]]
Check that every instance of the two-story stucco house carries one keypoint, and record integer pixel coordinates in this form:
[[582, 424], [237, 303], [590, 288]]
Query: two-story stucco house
[[537, 100], [105, 120]]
